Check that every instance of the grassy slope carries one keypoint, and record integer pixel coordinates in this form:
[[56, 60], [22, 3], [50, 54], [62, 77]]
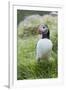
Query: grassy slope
[[27, 67]]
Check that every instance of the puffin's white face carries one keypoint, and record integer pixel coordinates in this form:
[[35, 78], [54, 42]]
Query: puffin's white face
[[43, 29]]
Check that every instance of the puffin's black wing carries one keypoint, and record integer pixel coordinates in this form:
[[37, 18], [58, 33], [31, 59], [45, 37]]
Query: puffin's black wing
[[48, 34]]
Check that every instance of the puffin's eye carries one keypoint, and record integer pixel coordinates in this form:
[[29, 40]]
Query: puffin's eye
[[43, 27]]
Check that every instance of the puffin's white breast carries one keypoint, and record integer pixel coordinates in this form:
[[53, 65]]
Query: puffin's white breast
[[44, 45]]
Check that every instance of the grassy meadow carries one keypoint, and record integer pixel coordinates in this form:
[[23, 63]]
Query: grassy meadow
[[27, 66]]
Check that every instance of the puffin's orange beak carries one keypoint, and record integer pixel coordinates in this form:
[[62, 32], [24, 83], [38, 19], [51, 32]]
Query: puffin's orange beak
[[39, 31]]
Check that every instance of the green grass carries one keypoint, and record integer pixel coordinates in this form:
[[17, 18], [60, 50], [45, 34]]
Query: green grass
[[28, 67]]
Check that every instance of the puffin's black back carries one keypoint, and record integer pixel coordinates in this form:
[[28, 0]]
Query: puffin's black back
[[46, 35]]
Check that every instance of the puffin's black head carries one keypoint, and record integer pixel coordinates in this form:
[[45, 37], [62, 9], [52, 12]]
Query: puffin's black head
[[44, 30]]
